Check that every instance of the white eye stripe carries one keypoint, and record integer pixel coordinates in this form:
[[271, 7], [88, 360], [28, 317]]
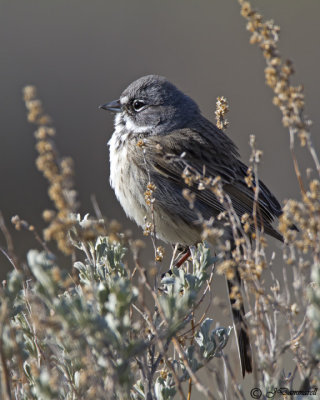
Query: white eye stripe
[[124, 100]]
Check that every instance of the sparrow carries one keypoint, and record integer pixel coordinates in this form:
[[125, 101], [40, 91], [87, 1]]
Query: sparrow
[[158, 130]]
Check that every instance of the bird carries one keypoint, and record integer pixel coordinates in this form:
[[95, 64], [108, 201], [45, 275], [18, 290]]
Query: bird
[[158, 130]]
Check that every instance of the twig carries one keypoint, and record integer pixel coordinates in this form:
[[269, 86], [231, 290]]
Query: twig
[[191, 342], [10, 252], [3, 251], [295, 162], [96, 207], [200, 387], [5, 370]]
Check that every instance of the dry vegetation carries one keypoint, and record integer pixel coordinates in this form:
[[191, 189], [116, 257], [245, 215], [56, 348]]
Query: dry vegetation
[[119, 331]]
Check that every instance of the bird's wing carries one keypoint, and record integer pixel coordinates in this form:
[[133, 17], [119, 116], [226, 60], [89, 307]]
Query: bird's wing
[[163, 158]]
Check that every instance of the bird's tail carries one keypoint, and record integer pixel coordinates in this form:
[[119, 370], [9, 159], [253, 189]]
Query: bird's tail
[[241, 329]]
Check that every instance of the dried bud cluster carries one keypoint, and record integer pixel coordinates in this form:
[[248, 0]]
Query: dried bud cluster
[[21, 224], [249, 177], [159, 253], [59, 172], [141, 144], [290, 99], [148, 194], [227, 268], [246, 221], [148, 229], [190, 197], [305, 215], [222, 107], [34, 107], [301, 246]]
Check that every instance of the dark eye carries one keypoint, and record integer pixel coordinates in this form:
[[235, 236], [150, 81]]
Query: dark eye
[[138, 105]]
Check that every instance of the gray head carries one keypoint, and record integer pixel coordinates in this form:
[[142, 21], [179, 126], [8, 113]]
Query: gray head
[[153, 105]]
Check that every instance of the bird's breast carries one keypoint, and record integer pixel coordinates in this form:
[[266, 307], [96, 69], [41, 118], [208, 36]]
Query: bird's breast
[[127, 179]]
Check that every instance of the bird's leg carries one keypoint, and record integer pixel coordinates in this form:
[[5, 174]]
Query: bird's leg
[[186, 253]]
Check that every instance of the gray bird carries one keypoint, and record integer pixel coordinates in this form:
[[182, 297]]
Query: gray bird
[[170, 123]]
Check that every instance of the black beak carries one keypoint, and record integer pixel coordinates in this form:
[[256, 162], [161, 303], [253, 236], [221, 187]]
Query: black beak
[[113, 106]]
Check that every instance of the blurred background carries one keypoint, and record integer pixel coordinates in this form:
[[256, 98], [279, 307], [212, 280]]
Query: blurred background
[[80, 54]]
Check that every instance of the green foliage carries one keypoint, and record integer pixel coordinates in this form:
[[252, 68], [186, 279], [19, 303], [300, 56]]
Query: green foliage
[[65, 338]]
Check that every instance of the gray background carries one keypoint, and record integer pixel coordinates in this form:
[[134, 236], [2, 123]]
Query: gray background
[[81, 53]]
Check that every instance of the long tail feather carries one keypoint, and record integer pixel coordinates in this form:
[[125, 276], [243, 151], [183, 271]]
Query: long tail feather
[[241, 330]]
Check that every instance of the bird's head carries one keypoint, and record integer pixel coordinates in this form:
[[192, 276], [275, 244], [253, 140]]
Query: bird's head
[[154, 106]]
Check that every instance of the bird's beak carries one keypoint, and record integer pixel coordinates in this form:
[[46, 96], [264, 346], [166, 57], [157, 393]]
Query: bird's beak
[[113, 106]]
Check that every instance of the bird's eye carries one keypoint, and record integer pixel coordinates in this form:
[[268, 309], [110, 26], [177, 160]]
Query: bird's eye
[[138, 105]]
